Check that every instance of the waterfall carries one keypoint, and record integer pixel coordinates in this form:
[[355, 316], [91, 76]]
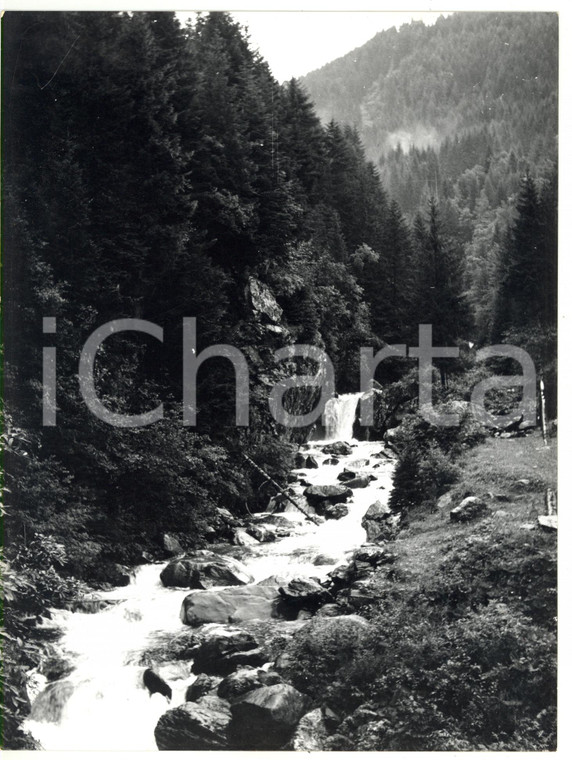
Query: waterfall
[[339, 416]]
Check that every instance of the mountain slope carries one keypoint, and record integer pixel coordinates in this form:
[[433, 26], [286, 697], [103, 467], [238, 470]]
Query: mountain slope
[[419, 85]]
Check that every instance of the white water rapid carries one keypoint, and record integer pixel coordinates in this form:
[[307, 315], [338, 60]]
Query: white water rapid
[[102, 704]]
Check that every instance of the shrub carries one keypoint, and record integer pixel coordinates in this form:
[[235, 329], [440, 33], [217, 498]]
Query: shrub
[[485, 679], [426, 466], [319, 651], [31, 583]]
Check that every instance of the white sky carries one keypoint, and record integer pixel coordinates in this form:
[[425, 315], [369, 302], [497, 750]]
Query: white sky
[[297, 42]]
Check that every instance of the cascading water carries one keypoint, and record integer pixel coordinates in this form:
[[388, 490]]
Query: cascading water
[[339, 416], [102, 704]]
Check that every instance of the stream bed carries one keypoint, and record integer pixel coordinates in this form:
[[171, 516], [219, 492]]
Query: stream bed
[[102, 704]]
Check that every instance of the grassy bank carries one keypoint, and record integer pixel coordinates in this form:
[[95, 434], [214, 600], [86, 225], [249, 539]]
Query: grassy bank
[[463, 651]]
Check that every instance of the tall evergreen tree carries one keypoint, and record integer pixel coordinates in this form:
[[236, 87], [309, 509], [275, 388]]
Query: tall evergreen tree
[[440, 300]]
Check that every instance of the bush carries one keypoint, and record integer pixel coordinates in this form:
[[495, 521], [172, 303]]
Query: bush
[[320, 651], [486, 679], [426, 465], [420, 477], [31, 583]]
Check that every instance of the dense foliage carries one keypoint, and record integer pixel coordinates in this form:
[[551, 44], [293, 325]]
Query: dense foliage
[[153, 172]]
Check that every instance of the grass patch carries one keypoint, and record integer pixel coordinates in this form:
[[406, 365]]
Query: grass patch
[[463, 656]]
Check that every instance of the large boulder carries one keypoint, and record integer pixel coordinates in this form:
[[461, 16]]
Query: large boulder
[[246, 679], [341, 575], [263, 301], [169, 647], [266, 718], [300, 461], [194, 726], [373, 555], [329, 610], [273, 524], [303, 592], [338, 449], [362, 481], [262, 533], [334, 511], [214, 656], [310, 734], [445, 501], [238, 683], [253, 658], [305, 462], [469, 509], [377, 521], [201, 686], [361, 593], [346, 475], [116, 574], [282, 502], [226, 516], [316, 495], [273, 580], [171, 545], [277, 521], [325, 559], [242, 538], [548, 522], [204, 569], [233, 605]]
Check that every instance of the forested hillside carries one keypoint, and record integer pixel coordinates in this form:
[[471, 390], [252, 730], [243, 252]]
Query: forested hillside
[[461, 111], [160, 173], [419, 85], [156, 173]]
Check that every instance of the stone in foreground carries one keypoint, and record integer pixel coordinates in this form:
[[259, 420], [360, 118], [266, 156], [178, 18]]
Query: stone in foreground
[[194, 726], [548, 522], [310, 734], [469, 509], [236, 684], [378, 522], [335, 511], [215, 655], [266, 718], [303, 591]]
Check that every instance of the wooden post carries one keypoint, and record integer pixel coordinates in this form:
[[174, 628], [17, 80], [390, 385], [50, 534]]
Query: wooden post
[[281, 490], [543, 412], [550, 499]]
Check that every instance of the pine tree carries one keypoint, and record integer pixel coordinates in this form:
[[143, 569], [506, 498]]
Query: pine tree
[[522, 265], [301, 146], [440, 300]]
